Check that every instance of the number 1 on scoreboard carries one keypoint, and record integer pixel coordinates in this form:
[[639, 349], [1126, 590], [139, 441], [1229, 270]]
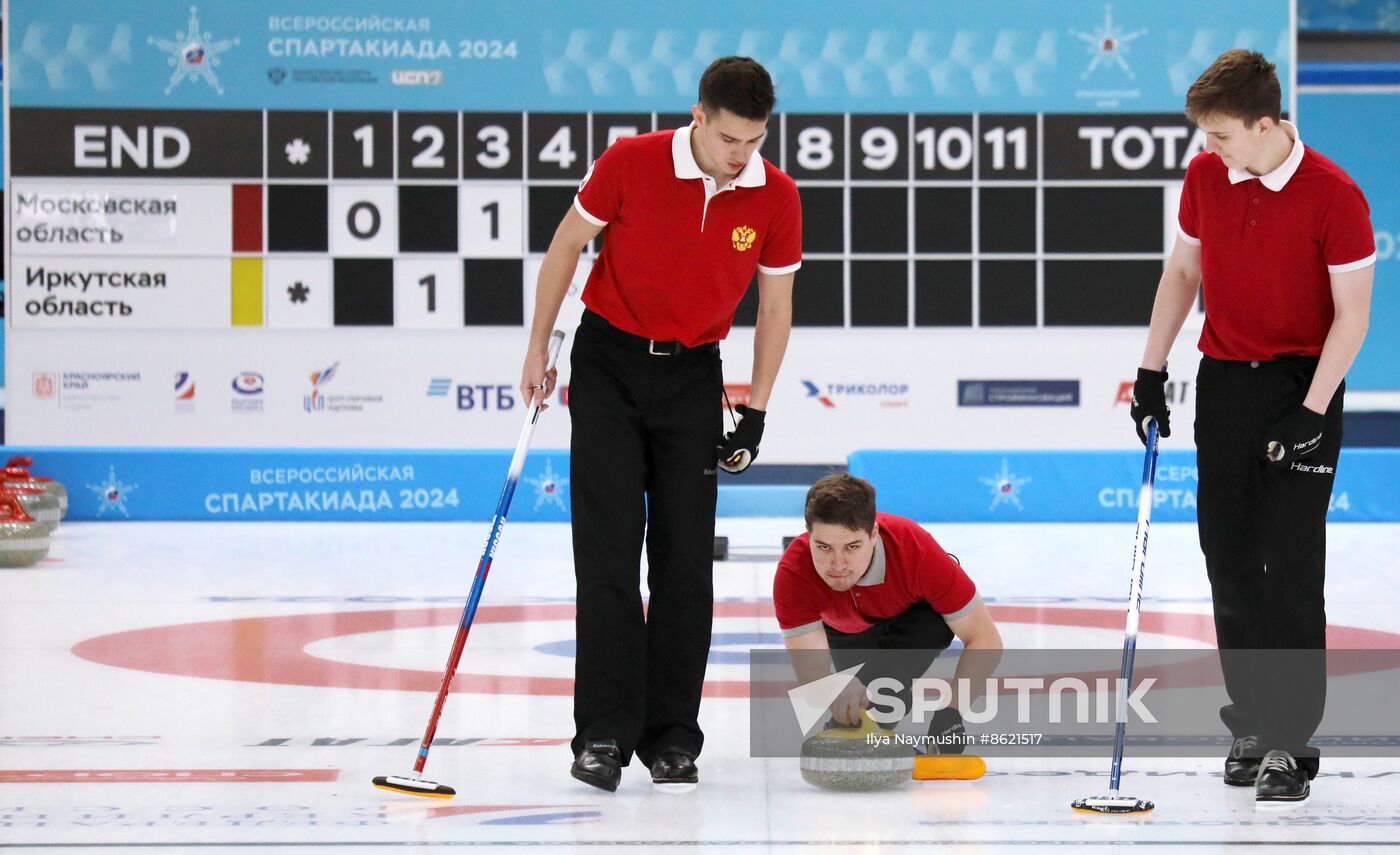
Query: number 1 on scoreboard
[[427, 293], [491, 221], [364, 135], [362, 145], [430, 282]]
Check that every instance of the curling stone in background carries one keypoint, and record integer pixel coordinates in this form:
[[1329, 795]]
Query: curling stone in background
[[38, 502], [856, 759], [59, 491], [22, 539]]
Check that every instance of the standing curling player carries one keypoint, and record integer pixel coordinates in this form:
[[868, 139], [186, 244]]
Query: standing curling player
[[1279, 239], [688, 217]]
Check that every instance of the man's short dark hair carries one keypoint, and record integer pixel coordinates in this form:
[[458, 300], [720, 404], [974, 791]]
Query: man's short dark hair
[[1241, 84], [739, 85], [843, 500]]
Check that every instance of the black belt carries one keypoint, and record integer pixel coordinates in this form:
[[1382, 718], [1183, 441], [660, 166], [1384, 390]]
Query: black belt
[[593, 320], [1286, 361]]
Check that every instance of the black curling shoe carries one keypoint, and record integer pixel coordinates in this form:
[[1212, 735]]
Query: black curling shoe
[[674, 766], [1280, 779], [599, 764], [1242, 766]]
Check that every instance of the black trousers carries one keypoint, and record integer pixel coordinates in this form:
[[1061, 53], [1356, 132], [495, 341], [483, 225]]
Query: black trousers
[[913, 639], [642, 469], [1263, 532]]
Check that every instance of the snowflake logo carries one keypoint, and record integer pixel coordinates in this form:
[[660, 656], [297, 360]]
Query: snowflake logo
[[1006, 487], [549, 487], [193, 54], [1108, 44], [298, 151], [112, 493]]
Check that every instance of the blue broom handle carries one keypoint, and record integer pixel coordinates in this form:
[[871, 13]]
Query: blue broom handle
[[1125, 674]]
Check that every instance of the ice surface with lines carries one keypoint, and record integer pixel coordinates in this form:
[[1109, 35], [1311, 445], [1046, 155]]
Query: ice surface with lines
[[168, 752]]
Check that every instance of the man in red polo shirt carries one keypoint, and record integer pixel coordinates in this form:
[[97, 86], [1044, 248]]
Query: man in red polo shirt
[[859, 581], [688, 217], [1279, 239]]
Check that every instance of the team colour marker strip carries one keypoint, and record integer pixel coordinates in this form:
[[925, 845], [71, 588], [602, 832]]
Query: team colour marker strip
[[247, 292], [247, 218]]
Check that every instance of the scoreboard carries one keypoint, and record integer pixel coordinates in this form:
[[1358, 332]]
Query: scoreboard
[[302, 220], [363, 274]]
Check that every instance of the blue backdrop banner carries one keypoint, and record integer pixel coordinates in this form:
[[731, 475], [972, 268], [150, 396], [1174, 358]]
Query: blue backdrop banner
[[298, 484], [1328, 121], [1087, 486], [1072, 56], [414, 485]]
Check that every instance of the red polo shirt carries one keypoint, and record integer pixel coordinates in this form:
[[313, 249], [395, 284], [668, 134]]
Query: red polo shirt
[[1268, 245], [908, 566], [678, 253]]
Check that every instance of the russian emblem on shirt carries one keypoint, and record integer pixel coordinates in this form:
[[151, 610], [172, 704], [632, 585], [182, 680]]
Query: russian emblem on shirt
[[743, 237]]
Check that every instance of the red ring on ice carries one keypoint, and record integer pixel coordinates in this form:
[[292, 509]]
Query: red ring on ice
[[273, 649]]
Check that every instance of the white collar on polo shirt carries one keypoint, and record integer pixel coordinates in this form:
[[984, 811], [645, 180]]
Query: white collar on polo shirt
[[876, 573], [1276, 180], [752, 175]]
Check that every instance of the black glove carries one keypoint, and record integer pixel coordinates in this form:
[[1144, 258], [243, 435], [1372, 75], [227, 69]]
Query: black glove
[[1298, 435], [1150, 400], [740, 446], [947, 732]]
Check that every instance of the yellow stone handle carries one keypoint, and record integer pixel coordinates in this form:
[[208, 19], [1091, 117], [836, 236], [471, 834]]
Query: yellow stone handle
[[868, 724]]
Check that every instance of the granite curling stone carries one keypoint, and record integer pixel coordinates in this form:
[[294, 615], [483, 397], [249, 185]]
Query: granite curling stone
[[22, 541], [856, 759], [58, 491], [53, 486], [37, 502]]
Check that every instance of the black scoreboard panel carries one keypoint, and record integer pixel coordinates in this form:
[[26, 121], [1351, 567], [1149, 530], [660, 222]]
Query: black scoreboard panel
[[964, 220], [985, 220]]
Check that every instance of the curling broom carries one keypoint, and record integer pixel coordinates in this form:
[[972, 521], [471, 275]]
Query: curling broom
[[1114, 802], [414, 784]]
